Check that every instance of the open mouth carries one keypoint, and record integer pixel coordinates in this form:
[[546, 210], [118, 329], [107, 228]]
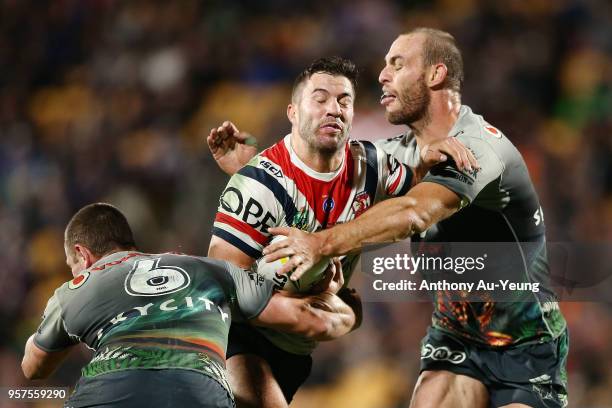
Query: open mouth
[[386, 98]]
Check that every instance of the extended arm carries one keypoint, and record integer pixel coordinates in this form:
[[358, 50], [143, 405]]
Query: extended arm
[[391, 220], [319, 317], [424, 205], [232, 149], [37, 363]]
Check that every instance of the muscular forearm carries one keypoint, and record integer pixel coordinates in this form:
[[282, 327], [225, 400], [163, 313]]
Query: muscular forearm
[[318, 317], [333, 317], [352, 299], [392, 220]]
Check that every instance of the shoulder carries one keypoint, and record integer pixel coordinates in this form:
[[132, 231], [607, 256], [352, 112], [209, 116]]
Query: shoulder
[[270, 165], [480, 136]]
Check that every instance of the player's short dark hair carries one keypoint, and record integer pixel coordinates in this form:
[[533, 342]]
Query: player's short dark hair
[[440, 46], [101, 228], [336, 66]]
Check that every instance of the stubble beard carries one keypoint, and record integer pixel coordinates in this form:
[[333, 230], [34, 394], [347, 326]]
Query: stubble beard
[[414, 103], [308, 132]]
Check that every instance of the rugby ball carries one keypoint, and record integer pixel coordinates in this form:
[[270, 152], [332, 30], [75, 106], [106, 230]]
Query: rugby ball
[[311, 277]]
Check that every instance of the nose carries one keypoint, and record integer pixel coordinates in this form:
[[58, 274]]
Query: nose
[[384, 75], [333, 108]]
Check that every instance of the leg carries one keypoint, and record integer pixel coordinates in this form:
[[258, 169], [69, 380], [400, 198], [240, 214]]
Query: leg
[[253, 383], [514, 405], [444, 389]]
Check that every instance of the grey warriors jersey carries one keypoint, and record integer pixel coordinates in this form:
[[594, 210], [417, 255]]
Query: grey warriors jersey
[[141, 310], [499, 204]]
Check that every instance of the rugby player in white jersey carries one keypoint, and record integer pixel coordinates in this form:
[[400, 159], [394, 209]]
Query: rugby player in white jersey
[[311, 179]]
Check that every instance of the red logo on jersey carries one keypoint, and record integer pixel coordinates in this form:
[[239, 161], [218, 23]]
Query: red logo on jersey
[[78, 281], [361, 203], [494, 131], [125, 258]]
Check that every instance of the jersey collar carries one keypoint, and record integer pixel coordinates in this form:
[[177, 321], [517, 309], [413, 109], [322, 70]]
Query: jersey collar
[[304, 167]]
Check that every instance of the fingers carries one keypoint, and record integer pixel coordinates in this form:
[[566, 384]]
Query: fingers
[[339, 276], [222, 137], [226, 134], [300, 269], [218, 142], [461, 155], [467, 157], [286, 231], [230, 128], [211, 140], [472, 159], [230, 131], [281, 230], [450, 147], [330, 274], [277, 250], [297, 264]]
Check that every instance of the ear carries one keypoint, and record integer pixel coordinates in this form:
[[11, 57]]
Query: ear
[[291, 112], [436, 75], [84, 255]]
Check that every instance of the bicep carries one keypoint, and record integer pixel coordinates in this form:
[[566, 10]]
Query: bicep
[[221, 249], [38, 363], [247, 208]]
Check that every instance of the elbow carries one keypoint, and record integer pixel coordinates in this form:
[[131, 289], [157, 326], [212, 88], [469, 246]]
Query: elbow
[[321, 326], [29, 371], [337, 327], [318, 324], [329, 326], [412, 222]]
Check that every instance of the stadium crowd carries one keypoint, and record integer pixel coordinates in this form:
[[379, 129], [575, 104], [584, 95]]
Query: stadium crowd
[[102, 100]]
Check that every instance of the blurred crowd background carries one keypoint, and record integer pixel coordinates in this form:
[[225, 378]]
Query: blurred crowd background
[[104, 100]]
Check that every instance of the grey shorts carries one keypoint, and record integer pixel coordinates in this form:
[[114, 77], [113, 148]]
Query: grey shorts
[[150, 389]]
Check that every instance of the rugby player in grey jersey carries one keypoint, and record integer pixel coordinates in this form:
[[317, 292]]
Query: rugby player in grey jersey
[[515, 353], [158, 323]]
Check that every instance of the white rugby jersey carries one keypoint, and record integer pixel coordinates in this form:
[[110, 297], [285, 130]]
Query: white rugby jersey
[[277, 189]]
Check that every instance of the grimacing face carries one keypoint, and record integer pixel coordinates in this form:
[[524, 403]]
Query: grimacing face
[[406, 97], [324, 113]]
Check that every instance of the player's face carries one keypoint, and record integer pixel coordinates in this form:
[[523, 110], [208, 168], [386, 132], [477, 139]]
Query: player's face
[[74, 262], [405, 95], [324, 113]]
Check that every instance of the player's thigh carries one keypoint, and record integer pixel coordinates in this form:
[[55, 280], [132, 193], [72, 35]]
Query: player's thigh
[[444, 389], [516, 405], [253, 383]]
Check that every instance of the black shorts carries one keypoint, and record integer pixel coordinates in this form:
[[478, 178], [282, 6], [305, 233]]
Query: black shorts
[[532, 374], [290, 370], [140, 388]]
